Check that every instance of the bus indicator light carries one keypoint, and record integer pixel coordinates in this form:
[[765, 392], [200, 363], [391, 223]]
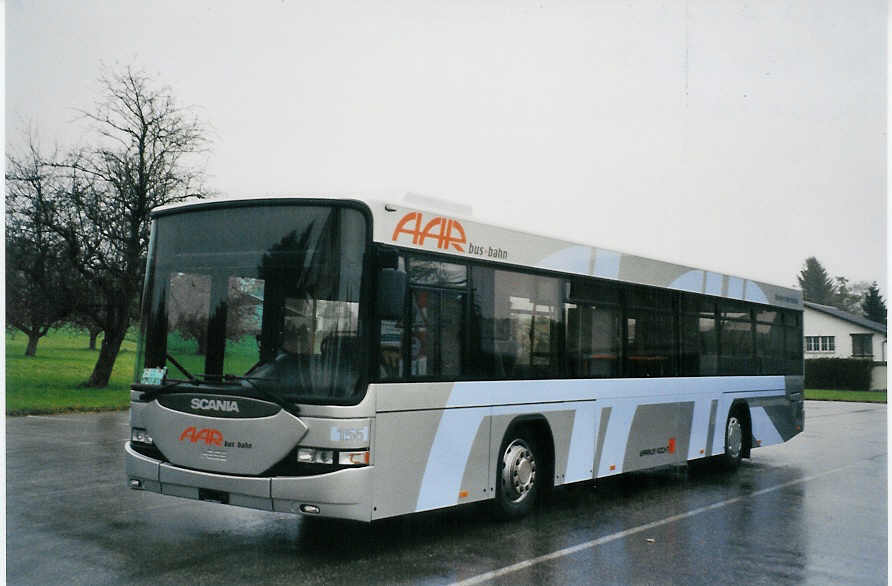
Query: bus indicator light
[[353, 458]]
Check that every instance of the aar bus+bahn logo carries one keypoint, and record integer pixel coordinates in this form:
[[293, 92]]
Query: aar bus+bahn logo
[[211, 437], [445, 231], [208, 435]]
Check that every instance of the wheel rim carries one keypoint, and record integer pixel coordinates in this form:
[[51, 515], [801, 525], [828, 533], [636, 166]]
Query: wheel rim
[[518, 471], [735, 438]]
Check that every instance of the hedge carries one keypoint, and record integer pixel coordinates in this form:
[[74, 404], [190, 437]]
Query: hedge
[[838, 373]]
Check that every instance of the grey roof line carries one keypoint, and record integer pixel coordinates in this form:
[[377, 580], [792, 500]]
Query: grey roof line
[[849, 317]]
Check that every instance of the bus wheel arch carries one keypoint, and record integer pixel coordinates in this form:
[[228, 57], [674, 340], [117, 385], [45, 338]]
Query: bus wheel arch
[[525, 467]]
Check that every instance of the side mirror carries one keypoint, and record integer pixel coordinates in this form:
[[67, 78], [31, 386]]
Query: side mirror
[[387, 258], [391, 294]]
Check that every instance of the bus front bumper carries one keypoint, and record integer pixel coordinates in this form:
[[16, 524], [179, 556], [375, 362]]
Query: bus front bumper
[[344, 494]]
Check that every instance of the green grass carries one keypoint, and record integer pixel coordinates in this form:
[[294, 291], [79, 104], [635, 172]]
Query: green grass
[[240, 355], [860, 396], [50, 381]]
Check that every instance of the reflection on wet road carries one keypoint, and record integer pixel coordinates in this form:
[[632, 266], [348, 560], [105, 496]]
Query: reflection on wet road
[[813, 510]]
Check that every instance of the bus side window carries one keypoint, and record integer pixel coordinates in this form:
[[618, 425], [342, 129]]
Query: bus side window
[[437, 314], [437, 333], [699, 337], [528, 324], [650, 333], [593, 340], [736, 339]]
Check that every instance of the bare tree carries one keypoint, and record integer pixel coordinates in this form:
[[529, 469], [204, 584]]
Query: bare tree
[[849, 296], [39, 282], [145, 144]]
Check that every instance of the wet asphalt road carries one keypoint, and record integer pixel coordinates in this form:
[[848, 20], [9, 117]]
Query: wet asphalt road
[[813, 510]]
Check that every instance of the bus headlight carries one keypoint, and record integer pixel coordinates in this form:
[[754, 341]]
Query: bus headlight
[[323, 456], [315, 456], [141, 436]]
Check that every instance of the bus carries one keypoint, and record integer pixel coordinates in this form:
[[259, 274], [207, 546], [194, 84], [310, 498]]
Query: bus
[[363, 359]]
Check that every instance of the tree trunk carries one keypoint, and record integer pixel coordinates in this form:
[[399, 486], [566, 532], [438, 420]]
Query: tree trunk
[[108, 352], [93, 335], [31, 350]]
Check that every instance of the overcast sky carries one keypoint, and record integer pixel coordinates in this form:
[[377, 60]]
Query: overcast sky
[[736, 136]]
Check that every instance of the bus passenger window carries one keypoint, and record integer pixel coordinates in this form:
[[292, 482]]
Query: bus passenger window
[[437, 333], [650, 334], [528, 314], [593, 341]]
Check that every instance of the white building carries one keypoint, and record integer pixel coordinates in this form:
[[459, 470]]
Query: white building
[[833, 333]]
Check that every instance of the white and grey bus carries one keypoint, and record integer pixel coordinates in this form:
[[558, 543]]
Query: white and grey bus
[[360, 359]]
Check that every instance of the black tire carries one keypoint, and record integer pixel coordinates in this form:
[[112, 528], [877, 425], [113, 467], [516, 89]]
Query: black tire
[[520, 474], [734, 440]]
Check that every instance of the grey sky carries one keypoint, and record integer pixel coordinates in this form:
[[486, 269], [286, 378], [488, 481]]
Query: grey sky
[[735, 136]]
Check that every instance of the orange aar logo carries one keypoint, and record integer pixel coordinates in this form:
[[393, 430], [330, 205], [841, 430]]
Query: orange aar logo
[[210, 436], [445, 231]]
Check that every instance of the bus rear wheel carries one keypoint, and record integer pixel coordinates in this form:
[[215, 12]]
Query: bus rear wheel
[[733, 440], [519, 477]]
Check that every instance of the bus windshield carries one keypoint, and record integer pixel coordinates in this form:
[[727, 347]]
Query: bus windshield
[[265, 295]]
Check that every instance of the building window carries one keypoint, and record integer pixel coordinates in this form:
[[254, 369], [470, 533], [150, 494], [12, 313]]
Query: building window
[[862, 345], [820, 343]]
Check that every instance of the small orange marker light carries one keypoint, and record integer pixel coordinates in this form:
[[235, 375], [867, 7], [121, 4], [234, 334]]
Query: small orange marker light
[[702, 451], [613, 466], [462, 494]]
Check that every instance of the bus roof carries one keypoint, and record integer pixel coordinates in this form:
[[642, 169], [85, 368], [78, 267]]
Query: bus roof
[[400, 224]]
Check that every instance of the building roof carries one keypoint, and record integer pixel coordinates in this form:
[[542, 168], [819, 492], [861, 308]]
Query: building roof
[[849, 317]]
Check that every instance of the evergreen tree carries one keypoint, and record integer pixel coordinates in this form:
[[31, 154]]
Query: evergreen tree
[[873, 306], [816, 284]]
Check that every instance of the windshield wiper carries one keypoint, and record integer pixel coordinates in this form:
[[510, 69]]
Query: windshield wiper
[[182, 368]]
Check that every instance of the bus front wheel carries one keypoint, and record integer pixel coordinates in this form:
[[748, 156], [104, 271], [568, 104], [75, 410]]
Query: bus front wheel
[[520, 475]]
